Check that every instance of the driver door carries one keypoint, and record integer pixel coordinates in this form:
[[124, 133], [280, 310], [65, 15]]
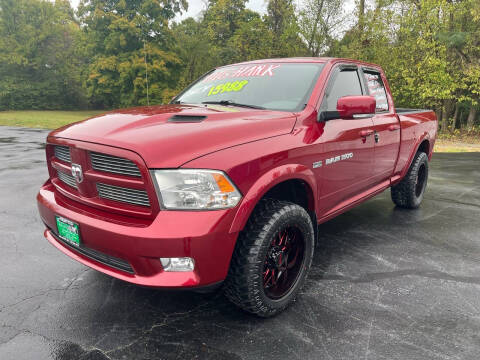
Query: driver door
[[348, 146]]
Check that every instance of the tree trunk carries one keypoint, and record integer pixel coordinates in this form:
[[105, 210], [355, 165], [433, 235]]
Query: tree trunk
[[444, 118], [311, 45], [455, 117], [438, 113], [361, 14], [471, 117]]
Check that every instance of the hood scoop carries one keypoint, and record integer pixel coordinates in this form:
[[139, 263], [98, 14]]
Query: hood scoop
[[187, 118]]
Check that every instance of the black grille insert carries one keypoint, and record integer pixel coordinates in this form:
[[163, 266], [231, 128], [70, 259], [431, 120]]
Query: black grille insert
[[98, 256]]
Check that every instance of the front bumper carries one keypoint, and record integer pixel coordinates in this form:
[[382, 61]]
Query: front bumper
[[201, 235]]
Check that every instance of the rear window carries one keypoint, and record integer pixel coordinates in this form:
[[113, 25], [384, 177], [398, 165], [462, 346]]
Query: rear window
[[275, 86], [377, 90]]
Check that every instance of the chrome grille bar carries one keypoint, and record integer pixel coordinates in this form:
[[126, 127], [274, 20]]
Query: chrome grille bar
[[114, 164], [67, 179], [62, 153], [122, 194]]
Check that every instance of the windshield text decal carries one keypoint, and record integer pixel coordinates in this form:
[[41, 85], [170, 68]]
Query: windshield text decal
[[243, 71], [227, 87]]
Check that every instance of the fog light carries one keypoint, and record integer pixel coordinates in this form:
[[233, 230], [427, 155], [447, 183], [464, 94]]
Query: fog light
[[178, 264]]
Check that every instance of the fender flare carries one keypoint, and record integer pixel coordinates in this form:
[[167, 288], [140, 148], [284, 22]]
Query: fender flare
[[266, 182], [422, 138]]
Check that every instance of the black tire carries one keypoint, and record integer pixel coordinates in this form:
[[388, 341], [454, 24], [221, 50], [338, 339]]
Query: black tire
[[259, 247], [410, 191]]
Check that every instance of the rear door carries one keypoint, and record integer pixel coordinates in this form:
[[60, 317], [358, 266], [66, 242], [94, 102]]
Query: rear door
[[348, 145], [386, 126]]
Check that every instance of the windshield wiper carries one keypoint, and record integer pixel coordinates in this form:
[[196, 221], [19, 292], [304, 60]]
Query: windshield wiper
[[233, 103]]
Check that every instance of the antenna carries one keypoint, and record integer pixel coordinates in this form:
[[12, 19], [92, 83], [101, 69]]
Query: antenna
[[146, 70]]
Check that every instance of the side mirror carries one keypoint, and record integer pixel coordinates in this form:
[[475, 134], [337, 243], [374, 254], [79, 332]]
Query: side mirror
[[348, 106]]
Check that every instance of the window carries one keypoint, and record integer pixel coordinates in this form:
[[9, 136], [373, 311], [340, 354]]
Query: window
[[345, 83], [275, 86], [377, 90]]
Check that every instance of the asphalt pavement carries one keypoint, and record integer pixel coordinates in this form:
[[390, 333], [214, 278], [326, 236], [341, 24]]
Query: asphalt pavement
[[386, 283]]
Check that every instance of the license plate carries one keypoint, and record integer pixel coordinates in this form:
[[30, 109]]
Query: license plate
[[68, 231]]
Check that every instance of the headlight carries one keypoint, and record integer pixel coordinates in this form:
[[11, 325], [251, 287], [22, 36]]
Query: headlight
[[195, 189]]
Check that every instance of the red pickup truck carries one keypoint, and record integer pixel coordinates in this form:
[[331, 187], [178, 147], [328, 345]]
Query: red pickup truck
[[227, 183]]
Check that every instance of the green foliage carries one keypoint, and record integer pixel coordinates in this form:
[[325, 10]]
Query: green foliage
[[228, 33], [282, 22], [129, 42], [101, 55], [429, 49], [319, 20], [39, 63]]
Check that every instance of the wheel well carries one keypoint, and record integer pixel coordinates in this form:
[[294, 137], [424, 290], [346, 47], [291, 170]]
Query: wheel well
[[296, 191], [424, 147]]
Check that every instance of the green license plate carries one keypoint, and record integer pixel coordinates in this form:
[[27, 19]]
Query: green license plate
[[68, 231]]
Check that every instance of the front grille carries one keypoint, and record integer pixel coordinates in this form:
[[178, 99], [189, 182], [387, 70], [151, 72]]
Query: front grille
[[122, 194], [110, 182], [98, 256], [62, 153], [114, 164], [67, 179]]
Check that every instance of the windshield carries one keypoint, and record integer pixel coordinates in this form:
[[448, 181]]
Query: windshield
[[274, 86]]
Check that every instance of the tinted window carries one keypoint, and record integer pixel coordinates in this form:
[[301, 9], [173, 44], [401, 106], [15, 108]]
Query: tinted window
[[377, 90], [276, 86], [346, 83]]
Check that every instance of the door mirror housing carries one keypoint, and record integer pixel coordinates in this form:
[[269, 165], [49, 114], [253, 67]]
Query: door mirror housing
[[348, 106]]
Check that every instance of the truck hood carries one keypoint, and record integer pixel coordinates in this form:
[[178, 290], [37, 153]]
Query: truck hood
[[170, 135]]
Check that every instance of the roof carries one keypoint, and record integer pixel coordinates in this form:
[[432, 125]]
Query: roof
[[303, 60]]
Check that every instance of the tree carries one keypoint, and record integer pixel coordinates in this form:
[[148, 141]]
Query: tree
[[125, 39], [319, 22], [52, 58], [282, 22], [252, 40], [222, 18], [40, 67], [193, 48], [463, 41]]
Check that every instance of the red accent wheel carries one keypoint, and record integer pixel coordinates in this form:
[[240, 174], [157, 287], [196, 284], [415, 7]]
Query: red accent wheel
[[283, 262]]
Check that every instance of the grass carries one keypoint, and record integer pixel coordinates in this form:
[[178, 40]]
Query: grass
[[447, 142], [44, 119], [453, 146], [458, 141]]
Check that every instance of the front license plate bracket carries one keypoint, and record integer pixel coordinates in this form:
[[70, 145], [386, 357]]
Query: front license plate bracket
[[68, 230]]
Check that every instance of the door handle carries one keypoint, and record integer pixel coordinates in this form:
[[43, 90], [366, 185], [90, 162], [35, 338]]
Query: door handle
[[394, 127], [365, 133]]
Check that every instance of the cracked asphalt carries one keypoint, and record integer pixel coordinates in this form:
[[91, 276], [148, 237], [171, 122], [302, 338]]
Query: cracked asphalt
[[385, 284]]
